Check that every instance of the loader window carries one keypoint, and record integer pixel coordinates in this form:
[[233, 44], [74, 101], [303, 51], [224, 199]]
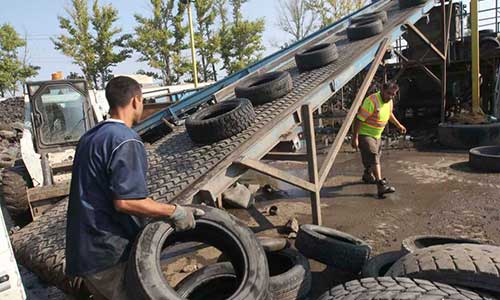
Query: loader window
[[62, 114]]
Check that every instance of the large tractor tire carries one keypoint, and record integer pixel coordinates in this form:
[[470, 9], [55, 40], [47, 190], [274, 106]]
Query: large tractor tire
[[15, 182]]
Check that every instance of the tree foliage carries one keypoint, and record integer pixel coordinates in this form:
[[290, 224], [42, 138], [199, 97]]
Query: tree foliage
[[14, 69], [331, 10], [296, 19], [160, 39], [241, 40], [92, 41], [206, 38]]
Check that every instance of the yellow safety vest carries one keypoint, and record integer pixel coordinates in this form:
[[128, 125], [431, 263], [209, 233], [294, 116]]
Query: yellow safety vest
[[374, 115]]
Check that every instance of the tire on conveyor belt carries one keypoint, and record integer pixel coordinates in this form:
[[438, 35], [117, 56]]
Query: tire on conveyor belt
[[217, 228], [372, 16], [365, 29], [410, 3], [388, 288], [40, 247], [467, 265], [316, 57], [265, 88], [220, 121]]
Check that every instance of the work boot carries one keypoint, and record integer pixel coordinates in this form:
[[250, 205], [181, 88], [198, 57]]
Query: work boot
[[384, 188], [368, 177]]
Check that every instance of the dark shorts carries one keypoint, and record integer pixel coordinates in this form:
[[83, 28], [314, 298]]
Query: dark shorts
[[370, 150]]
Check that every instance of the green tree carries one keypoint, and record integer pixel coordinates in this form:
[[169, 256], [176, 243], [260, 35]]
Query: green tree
[[92, 41], [207, 41], [241, 40], [224, 34], [296, 19], [331, 10], [14, 69], [160, 40], [74, 75]]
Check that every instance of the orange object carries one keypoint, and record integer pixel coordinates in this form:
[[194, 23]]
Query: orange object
[[57, 75]]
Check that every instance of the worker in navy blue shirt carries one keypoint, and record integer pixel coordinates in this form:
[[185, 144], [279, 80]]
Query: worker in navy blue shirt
[[109, 196]]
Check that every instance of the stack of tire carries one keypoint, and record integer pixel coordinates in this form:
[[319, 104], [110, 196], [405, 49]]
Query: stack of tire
[[426, 266], [259, 269], [267, 268]]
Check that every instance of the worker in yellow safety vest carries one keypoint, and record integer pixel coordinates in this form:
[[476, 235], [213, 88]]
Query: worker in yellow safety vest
[[369, 124]]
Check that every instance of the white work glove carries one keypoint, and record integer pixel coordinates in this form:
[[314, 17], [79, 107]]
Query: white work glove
[[184, 217]]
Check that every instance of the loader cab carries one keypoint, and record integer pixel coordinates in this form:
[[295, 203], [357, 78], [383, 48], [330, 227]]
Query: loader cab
[[58, 113], [61, 113]]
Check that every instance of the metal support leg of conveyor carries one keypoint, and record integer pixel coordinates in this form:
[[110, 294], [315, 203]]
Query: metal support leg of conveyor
[[317, 177], [312, 161], [346, 125], [426, 40], [405, 61]]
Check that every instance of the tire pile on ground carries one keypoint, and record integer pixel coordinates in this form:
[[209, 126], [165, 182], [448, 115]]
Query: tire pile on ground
[[11, 127], [426, 267]]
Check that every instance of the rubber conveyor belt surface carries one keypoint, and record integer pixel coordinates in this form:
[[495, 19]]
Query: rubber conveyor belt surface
[[176, 164]]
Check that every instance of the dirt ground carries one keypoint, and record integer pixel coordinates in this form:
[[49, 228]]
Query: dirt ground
[[437, 193]]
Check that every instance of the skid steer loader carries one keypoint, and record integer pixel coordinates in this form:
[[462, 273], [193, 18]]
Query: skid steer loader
[[57, 113]]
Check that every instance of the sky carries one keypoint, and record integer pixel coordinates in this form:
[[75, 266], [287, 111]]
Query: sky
[[38, 20]]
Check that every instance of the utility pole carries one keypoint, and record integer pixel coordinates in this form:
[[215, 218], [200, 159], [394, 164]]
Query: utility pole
[[476, 104], [193, 48]]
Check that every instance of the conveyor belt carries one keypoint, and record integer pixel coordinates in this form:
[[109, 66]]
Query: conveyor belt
[[178, 167], [176, 163]]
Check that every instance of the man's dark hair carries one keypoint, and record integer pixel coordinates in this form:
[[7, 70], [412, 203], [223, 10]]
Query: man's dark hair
[[390, 85], [120, 90]]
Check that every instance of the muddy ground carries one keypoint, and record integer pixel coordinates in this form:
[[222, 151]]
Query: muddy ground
[[437, 193]]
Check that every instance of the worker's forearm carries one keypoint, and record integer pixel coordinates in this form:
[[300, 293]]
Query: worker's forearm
[[145, 208], [355, 128], [394, 120]]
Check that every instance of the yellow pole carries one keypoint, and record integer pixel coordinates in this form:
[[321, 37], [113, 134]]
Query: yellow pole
[[476, 105], [193, 49]]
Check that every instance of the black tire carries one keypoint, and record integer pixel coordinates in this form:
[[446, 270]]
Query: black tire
[[485, 159], [316, 57], [410, 3], [373, 16], [214, 282], [265, 88], [388, 288], [488, 43], [464, 136], [378, 265], [414, 243], [15, 182], [487, 33], [290, 275], [268, 243], [145, 280], [273, 244], [220, 121], [40, 247], [362, 30], [467, 265], [332, 247]]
